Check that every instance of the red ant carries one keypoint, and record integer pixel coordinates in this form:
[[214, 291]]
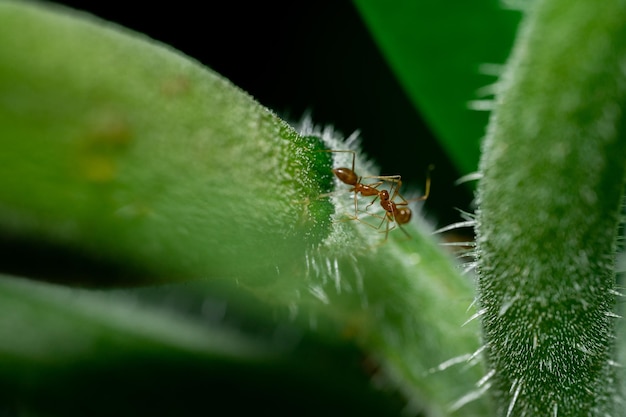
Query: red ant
[[349, 177], [401, 215]]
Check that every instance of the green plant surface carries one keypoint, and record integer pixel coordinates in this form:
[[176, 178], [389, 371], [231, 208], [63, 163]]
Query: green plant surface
[[437, 49], [549, 210], [122, 151], [89, 353]]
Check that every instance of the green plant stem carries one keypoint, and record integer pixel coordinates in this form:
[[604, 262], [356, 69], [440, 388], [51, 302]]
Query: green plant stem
[[549, 209], [117, 148]]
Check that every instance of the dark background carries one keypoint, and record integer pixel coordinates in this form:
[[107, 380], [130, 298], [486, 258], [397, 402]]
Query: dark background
[[306, 56]]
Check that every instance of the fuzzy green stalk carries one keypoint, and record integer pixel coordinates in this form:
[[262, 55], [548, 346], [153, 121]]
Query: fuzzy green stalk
[[549, 211]]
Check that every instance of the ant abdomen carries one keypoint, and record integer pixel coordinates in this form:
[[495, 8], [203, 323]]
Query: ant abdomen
[[346, 175], [403, 215]]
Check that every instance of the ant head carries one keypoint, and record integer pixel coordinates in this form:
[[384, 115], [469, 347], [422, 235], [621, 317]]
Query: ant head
[[384, 195]]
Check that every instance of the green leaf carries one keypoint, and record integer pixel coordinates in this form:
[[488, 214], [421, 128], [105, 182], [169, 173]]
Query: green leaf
[[549, 209], [86, 122], [73, 352], [119, 149], [436, 50]]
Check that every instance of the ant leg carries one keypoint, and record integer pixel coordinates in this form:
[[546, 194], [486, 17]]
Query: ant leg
[[331, 193], [373, 201], [426, 188], [373, 186], [356, 205], [389, 217], [397, 223], [387, 227], [404, 231], [369, 224], [342, 151], [396, 190], [388, 178], [382, 218], [406, 202]]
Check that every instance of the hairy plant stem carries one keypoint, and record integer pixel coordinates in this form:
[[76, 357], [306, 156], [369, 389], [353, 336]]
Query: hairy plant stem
[[549, 210]]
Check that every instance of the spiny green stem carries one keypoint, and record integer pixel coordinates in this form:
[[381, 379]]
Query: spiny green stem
[[549, 209]]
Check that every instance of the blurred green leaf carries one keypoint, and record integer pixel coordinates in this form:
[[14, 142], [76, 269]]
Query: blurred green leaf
[[436, 50], [73, 352]]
